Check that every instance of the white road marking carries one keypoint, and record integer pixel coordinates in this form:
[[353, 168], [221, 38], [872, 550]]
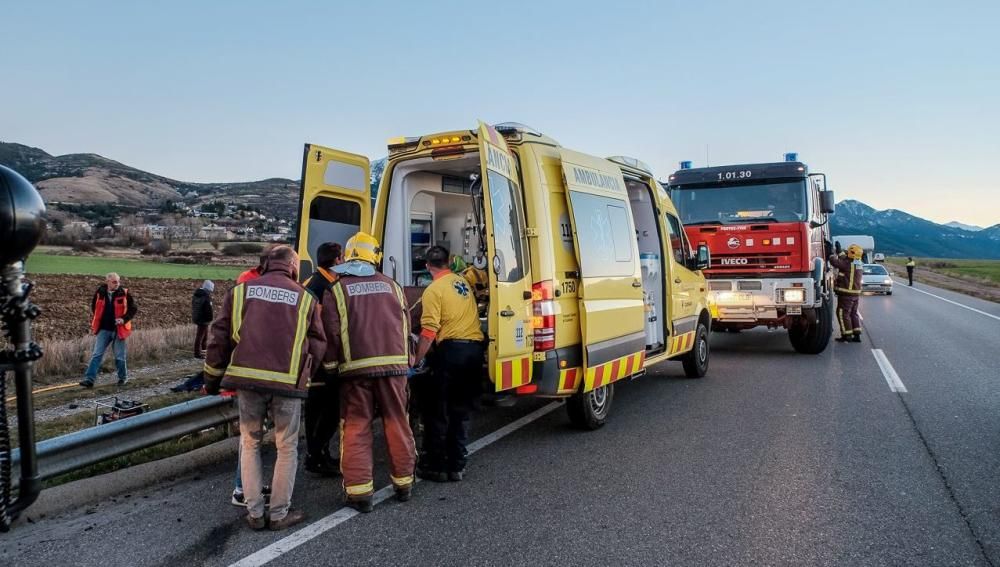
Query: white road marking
[[904, 286], [311, 531], [895, 384]]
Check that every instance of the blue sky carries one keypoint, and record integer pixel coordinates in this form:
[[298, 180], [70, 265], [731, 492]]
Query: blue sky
[[895, 101]]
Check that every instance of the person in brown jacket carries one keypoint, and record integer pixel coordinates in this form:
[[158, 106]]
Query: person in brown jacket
[[848, 289], [369, 348], [264, 344]]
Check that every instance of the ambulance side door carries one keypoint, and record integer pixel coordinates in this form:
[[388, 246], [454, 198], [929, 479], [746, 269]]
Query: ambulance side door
[[334, 201], [610, 293], [510, 341], [683, 285]]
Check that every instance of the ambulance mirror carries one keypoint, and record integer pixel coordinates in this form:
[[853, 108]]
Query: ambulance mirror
[[702, 259]]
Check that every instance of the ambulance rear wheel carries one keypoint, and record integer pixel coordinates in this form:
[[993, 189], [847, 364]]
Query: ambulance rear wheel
[[696, 361], [590, 410]]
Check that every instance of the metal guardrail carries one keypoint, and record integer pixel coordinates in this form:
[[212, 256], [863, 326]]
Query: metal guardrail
[[79, 449]]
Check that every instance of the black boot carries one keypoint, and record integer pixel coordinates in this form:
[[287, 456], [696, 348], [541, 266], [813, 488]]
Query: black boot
[[323, 465], [857, 338], [844, 339]]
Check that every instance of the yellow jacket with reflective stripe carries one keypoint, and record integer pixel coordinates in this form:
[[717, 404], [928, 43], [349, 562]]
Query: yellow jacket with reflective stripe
[[368, 327], [268, 336]]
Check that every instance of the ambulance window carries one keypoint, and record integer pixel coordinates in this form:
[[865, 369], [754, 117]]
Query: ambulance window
[[332, 220], [508, 265], [605, 235], [676, 238]]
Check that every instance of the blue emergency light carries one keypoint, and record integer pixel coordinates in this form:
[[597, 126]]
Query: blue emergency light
[[685, 165], [792, 156]]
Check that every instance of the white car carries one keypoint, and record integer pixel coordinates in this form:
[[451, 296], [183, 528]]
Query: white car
[[876, 279]]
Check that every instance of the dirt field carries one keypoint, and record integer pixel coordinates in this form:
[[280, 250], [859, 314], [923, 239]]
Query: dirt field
[[65, 302]]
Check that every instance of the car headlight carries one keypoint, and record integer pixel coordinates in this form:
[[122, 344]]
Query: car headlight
[[887, 281], [795, 295]]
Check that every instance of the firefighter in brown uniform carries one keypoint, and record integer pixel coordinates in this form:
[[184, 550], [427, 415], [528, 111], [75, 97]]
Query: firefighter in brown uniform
[[265, 343], [848, 290], [365, 312]]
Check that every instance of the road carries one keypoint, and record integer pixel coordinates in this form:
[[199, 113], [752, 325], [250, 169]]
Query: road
[[774, 458]]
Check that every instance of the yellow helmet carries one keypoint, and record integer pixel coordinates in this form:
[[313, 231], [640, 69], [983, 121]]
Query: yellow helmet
[[363, 246], [854, 252]]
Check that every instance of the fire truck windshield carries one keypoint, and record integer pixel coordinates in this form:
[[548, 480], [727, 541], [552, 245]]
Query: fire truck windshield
[[779, 201]]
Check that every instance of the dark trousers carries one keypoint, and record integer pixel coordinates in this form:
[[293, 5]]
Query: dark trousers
[[200, 341], [847, 314], [322, 415], [447, 397], [909, 274]]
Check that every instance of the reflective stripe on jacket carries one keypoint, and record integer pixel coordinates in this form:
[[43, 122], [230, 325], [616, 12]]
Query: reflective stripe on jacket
[[124, 307], [368, 326], [268, 337], [848, 280]]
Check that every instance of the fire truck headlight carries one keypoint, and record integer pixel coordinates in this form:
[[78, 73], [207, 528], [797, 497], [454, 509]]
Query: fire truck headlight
[[795, 295]]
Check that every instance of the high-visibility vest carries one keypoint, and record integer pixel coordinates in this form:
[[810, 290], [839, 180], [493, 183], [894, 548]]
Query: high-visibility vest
[[120, 306]]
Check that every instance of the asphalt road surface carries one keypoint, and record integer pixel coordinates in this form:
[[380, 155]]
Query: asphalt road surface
[[880, 453]]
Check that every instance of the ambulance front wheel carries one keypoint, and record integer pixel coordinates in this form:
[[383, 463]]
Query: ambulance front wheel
[[696, 361], [590, 410]]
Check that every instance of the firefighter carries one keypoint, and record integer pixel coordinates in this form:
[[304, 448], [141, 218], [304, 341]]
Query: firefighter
[[367, 321], [264, 344], [848, 289], [450, 321], [909, 269], [323, 404]]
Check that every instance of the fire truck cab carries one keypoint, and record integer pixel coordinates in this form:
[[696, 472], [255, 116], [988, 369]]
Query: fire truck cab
[[766, 225], [586, 274]]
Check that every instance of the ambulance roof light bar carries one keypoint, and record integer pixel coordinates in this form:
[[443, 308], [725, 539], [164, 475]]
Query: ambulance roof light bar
[[631, 162], [515, 128]]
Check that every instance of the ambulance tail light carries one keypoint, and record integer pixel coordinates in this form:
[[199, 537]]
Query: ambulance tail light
[[543, 315]]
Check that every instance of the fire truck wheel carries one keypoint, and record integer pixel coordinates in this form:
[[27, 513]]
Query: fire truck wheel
[[590, 410], [696, 361], [812, 338]]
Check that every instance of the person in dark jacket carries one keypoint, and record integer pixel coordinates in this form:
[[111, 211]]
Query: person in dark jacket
[[910, 264], [365, 314], [112, 309], [265, 343], [202, 315], [848, 289], [323, 404]]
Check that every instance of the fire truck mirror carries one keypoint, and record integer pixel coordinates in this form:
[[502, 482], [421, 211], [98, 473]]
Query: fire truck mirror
[[826, 202]]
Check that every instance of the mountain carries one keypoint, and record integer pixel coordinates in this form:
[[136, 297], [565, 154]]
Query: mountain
[[93, 179], [900, 233], [963, 226]]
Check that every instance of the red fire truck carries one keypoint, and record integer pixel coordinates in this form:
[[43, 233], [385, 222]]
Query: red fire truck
[[766, 225]]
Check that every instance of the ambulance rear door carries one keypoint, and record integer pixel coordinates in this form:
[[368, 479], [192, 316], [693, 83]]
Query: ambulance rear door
[[334, 201], [611, 298], [510, 332]]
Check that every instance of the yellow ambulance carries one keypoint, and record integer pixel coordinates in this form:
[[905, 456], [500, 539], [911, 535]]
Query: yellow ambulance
[[589, 275]]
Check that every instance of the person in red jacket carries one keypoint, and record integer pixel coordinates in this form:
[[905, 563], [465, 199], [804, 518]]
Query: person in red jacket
[[112, 309], [255, 271]]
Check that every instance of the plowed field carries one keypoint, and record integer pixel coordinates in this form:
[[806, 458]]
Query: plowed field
[[65, 302]]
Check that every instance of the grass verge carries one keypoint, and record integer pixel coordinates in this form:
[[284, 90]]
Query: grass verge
[[70, 357], [40, 263]]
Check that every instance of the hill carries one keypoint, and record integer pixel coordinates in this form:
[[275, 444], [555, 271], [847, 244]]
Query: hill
[[93, 179], [900, 233]]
